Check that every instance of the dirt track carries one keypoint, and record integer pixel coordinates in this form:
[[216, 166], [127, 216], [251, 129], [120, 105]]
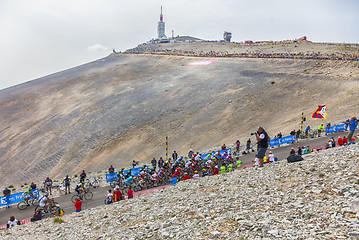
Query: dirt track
[[120, 108]]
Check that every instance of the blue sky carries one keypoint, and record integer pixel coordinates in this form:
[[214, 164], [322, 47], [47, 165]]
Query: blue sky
[[40, 37]]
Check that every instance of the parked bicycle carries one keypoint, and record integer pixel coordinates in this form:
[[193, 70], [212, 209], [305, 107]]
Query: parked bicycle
[[85, 195], [95, 183]]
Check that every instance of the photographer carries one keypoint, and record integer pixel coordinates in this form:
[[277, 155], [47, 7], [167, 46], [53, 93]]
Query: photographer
[[262, 138]]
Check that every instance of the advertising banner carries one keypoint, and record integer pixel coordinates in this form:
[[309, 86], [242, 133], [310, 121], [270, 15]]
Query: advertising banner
[[279, 141], [15, 198], [336, 128]]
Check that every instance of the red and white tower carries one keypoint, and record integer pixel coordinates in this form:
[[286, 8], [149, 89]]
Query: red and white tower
[[161, 27]]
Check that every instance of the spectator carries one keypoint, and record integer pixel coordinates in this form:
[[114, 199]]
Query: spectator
[[271, 156], [154, 162], [174, 156], [134, 164], [345, 140], [37, 216], [297, 134], [320, 129], [48, 185], [340, 141], [224, 147], [173, 179], [67, 181], [238, 144], [292, 133], [196, 175], [109, 197], [248, 144], [307, 129], [256, 160], [118, 194], [78, 205], [204, 172], [6, 194], [13, 222], [190, 154], [292, 152], [82, 176], [352, 126], [33, 185], [186, 176], [160, 163], [299, 152], [129, 192], [111, 169], [263, 139]]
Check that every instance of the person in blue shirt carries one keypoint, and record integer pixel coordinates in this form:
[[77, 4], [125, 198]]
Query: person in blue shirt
[[173, 179], [352, 126], [129, 180]]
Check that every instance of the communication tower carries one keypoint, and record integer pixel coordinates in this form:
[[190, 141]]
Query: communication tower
[[161, 27], [227, 36]]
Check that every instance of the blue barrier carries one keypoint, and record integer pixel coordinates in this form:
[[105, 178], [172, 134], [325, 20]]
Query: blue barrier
[[113, 176], [336, 128], [15, 198], [206, 156], [279, 141]]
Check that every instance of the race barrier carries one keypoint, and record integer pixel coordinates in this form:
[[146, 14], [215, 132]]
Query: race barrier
[[15, 198], [279, 141], [337, 128], [211, 155]]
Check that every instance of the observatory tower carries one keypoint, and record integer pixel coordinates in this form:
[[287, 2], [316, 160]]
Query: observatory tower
[[161, 27]]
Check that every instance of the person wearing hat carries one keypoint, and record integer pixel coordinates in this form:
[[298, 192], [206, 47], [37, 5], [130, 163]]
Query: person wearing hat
[[7, 193], [292, 151], [195, 175], [271, 156], [173, 179]]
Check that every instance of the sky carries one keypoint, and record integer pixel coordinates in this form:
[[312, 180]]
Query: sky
[[40, 37]]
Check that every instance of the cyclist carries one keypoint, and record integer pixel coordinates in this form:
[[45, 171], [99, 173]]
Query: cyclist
[[129, 181], [67, 181], [80, 189], [44, 201], [48, 185], [27, 194], [82, 176]]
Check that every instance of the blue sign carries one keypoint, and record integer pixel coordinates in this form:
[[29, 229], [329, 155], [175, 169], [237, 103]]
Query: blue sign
[[279, 141], [336, 128], [113, 176], [15, 198]]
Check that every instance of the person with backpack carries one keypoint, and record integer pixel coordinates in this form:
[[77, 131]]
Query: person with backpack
[[263, 139]]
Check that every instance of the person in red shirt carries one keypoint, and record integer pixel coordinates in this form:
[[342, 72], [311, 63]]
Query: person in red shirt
[[186, 177], [78, 205], [118, 195], [130, 193], [340, 141], [345, 140], [216, 170]]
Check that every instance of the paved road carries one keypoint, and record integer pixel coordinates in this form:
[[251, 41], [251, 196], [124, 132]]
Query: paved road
[[99, 193]]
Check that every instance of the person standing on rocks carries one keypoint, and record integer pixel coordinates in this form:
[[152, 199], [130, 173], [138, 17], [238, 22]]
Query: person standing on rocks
[[248, 144], [352, 126], [78, 205], [263, 139]]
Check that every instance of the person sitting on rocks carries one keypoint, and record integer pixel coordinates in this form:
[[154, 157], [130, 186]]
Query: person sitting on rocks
[[256, 160], [186, 176], [292, 152], [216, 170], [109, 197], [196, 175], [37, 216]]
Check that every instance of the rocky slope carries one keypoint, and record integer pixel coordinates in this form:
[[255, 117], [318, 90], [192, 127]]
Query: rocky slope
[[122, 107], [313, 199]]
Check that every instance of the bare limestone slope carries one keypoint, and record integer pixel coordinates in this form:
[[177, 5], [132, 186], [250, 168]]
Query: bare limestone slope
[[121, 107], [313, 199]]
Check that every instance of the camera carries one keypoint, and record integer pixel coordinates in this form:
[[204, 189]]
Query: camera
[[253, 133]]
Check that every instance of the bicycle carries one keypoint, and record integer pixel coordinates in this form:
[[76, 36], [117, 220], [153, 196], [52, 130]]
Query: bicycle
[[85, 195], [51, 208], [23, 205], [95, 183]]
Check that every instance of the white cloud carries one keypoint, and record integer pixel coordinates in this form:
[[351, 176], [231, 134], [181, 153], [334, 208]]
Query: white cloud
[[97, 48]]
